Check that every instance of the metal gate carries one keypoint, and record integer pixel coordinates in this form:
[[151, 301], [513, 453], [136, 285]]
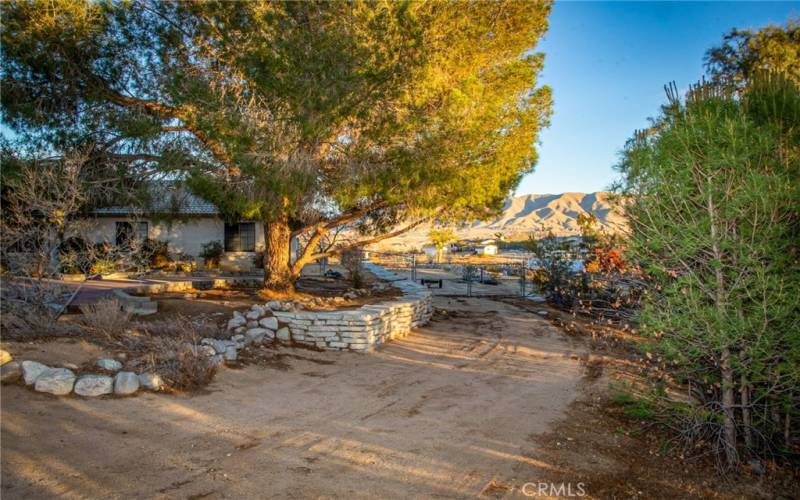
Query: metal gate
[[502, 275]]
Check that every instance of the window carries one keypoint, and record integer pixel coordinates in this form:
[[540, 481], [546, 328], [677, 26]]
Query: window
[[240, 237], [124, 232]]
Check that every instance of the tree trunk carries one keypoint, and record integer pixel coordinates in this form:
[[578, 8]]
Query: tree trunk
[[728, 404], [277, 270]]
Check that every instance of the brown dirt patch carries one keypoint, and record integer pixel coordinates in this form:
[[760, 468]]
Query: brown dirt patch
[[56, 352], [444, 412]]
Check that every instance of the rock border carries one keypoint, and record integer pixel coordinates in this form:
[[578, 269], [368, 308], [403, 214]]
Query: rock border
[[359, 330]]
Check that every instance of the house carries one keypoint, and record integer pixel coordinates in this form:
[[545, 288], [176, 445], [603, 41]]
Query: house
[[186, 222], [486, 249]]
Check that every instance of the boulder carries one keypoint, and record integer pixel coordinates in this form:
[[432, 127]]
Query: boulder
[[111, 365], [58, 381], [126, 383], [238, 338], [5, 357], [275, 305], [251, 324], [255, 335], [231, 354], [283, 334], [152, 381], [31, 371], [254, 315], [206, 350], [236, 321], [10, 372], [220, 346], [238, 315], [94, 385], [270, 322]]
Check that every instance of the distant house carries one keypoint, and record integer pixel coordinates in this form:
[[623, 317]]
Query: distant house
[[485, 249], [186, 222]]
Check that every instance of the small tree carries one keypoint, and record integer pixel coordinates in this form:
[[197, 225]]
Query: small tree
[[712, 192], [440, 238], [352, 261], [746, 52]]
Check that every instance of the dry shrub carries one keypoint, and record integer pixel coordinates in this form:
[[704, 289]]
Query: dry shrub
[[106, 318], [30, 308], [32, 323], [172, 351]]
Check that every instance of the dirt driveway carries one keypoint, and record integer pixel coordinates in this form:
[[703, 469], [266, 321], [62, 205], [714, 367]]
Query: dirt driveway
[[452, 411]]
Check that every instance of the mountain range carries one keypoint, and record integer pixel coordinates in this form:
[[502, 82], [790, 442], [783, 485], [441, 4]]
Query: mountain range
[[525, 214]]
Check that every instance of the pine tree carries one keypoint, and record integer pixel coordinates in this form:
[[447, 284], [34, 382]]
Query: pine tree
[[305, 116]]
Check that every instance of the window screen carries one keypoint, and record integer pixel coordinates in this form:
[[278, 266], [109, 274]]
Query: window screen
[[240, 237]]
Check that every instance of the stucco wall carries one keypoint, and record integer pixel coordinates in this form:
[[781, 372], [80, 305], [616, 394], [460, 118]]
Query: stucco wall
[[183, 237]]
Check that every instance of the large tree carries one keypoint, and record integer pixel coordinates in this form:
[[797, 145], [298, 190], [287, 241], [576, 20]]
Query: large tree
[[303, 115], [712, 192]]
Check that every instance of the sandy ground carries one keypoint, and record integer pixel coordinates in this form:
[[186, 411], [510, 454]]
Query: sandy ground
[[454, 410]]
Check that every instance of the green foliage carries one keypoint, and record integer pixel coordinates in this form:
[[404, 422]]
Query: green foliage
[[633, 406], [212, 253], [303, 109], [553, 255], [104, 266], [713, 190], [745, 52], [440, 238]]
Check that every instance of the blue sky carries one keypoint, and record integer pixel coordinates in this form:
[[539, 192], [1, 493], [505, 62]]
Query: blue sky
[[607, 64]]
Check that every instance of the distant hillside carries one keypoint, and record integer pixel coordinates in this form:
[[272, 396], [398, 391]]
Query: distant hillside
[[525, 214]]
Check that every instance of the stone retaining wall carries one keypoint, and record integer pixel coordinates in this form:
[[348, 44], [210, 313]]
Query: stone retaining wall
[[363, 328]]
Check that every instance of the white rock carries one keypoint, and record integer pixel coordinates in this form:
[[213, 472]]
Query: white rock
[[251, 324], [255, 335], [152, 381], [111, 365], [31, 371], [275, 305], [254, 315], [236, 321], [270, 322], [237, 338], [94, 385], [5, 357], [283, 334], [237, 314], [58, 381], [207, 350], [217, 360], [220, 346], [126, 383], [240, 329], [230, 354]]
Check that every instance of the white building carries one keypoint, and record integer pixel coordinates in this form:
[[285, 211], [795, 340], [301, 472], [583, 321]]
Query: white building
[[186, 222]]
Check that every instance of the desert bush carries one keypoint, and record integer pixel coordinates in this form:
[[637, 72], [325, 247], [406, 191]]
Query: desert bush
[[352, 261], [172, 352], [713, 190], [212, 254], [106, 319], [185, 263], [29, 309], [103, 266]]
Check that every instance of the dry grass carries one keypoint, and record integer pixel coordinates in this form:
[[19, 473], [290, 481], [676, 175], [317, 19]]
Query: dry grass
[[106, 319], [170, 350], [33, 323]]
